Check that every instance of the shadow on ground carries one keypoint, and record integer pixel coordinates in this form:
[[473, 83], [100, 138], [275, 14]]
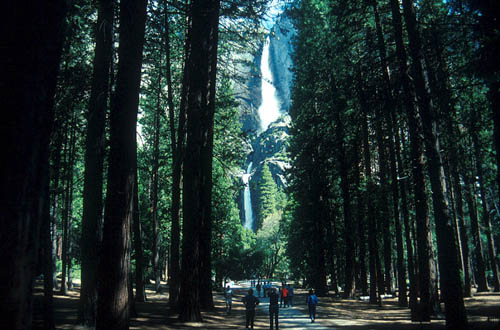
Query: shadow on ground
[[483, 312]]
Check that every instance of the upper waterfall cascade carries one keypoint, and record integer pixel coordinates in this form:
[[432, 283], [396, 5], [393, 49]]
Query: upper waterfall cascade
[[269, 109]]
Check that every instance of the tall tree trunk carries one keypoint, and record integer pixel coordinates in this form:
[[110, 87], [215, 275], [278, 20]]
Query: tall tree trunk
[[372, 237], [206, 298], [67, 213], [336, 260], [154, 188], [494, 99], [64, 218], [486, 210], [317, 270], [393, 134], [464, 240], [455, 149], [451, 285], [203, 29], [48, 283], [384, 161], [178, 148], [56, 150], [482, 284], [332, 250], [340, 106], [361, 231], [402, 292], [70, 246], [403, 187], [113, 270], [94, 163], [131, 301], [384, 204], [440, 84], [140, 292], [424, 243], [30, 60]]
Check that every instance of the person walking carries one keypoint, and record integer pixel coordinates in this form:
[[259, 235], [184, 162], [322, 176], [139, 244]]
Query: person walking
[[312, 301], [290, 295], [273, 308], [228, 295], [250, 302], [258, 289], [284, 292]]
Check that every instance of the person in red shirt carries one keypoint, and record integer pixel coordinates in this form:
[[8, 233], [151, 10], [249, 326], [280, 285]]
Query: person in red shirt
[[284, 292]]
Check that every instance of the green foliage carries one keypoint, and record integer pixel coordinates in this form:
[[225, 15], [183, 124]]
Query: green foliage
[[266, 196], [271, 243]]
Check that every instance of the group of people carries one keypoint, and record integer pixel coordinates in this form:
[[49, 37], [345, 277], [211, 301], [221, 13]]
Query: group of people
[[286, 293], [265, 286]]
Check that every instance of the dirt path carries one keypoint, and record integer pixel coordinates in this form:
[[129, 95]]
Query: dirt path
[[483, 312]]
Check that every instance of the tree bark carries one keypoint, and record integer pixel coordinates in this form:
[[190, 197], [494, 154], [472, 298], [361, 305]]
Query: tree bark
[[482, 284], [395, 174], [384, 161], [113, 270], [424, 243], [339, 107], [361, 230], [206, 298], [140, 293], [203, 28], [56, 151], [494, 99], [48, 271], [451, 285], [372, 237], [67, 212], [440, 82], [94, 163], [30, 60], [154, 188], [486, 210], [403, 187], [464, 240], [178, 138]]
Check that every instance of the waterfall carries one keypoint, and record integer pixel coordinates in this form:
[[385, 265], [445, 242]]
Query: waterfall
[[247, 198], [269, 109], [268, 112]]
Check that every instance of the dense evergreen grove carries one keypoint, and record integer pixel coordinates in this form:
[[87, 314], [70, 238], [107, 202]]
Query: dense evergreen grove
[[124, 149], [393, 151]]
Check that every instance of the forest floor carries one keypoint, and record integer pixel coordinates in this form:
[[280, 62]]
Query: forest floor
[[332, 313]]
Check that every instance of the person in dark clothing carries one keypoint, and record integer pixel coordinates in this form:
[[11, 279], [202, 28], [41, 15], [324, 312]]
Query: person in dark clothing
[[273, 308], [312, 301], [250, 303], [290, 295], [258, 289]]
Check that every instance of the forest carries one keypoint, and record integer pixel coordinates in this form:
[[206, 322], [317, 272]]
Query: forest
[[129, 157]]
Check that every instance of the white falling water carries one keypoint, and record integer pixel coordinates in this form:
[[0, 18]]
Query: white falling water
[[268, 113], [247, 198], [269, 109]]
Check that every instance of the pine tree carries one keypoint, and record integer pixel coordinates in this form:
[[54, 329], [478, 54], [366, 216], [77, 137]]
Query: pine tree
[[267, 194], [113, 271]]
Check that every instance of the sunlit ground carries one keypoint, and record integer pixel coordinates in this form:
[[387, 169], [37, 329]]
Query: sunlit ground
[[483, 312]]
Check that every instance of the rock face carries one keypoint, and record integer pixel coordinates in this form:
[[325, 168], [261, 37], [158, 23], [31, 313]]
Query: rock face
[[270, 146], [280, 49]]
